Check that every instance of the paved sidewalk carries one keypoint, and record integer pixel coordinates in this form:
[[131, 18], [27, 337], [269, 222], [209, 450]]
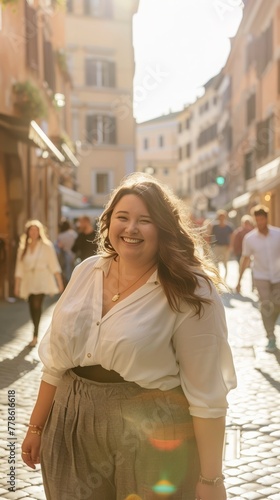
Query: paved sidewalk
[[252, 452]]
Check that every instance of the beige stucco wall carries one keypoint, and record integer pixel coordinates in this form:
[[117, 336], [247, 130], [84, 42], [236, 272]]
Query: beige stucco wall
[[109, 39], [159, 160]]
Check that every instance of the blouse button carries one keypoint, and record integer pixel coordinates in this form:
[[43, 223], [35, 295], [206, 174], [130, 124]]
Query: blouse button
[[156, 282], [88, 355], [98, 323]]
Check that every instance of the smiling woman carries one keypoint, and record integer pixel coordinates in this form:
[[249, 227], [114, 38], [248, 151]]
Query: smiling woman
[[138, 344]]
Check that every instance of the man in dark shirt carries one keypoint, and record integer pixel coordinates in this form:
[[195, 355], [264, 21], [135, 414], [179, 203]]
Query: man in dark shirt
[[220, 239], [84, 245]]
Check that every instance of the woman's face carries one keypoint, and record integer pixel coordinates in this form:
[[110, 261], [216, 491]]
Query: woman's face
[[33, 233], [132, 232]]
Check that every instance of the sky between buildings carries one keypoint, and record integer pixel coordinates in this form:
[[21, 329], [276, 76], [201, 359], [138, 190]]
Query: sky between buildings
[[179, 45]]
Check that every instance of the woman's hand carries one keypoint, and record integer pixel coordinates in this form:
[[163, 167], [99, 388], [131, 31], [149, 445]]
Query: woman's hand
[[31, 449], [206, 492]]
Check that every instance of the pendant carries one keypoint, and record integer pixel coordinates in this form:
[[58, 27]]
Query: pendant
[[116, 297]]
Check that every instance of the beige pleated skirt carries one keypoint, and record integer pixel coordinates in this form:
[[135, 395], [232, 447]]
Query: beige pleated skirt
[[112, 441]]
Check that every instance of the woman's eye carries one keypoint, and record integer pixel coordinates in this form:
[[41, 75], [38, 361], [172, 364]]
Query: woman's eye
[[121, 217]]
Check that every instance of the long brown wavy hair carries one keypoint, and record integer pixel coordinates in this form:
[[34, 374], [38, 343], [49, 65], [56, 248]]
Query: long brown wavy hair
[[182, 253]]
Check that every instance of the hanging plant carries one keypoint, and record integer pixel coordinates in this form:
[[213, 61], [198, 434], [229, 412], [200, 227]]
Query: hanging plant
[[61, 59], [29, 101]]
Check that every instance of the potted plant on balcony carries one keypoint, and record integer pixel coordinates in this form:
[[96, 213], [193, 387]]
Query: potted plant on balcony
[[28, 100]]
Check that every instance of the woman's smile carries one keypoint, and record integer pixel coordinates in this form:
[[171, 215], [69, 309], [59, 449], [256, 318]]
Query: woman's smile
[[132, 226], [131, 240]]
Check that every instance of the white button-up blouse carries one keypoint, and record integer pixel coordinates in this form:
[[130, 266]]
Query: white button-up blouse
[[142, 339]]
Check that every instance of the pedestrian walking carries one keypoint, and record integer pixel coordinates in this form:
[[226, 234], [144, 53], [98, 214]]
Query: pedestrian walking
[[247, 224], [137, 365], [263, 246], [37, 271], [220, 239], [65, 240], [85, 245]]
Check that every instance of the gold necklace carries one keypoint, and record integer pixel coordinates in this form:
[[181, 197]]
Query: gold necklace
[[118, 294]]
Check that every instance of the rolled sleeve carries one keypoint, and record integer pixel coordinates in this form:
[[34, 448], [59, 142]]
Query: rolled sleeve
[[55, 356], [205, 361]]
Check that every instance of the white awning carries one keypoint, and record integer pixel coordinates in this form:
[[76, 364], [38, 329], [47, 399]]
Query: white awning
[[72, 198], [70, 155], [74, 213], [241, 201], [268, 171], [37, 135]]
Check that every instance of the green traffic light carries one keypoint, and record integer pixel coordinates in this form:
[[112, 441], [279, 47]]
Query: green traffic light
[[220, 180]]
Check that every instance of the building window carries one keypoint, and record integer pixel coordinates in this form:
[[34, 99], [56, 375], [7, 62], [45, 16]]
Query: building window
[[49, 64], [180, 153], [204, 178], [251, 108], [161, 141], [264, 49], [188, 150], [31, 36], [251, 53], [179, 128], [249, 170], [225, 99], [260, 50], [98, 8], [69, 6], [188, 123], [204, 107], [226, 137], [75, 126], [265, 139], [207, 135], [102, 183], [99, 73], [101, 129], [146, 143]]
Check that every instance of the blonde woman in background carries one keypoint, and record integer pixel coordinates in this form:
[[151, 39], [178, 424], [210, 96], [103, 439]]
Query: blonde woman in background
[[37, 272]]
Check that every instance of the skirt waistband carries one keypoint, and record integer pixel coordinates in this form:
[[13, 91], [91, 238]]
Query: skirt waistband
[[97, 373]]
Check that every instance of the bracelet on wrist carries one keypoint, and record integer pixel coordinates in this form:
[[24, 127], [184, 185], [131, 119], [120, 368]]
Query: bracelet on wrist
[[216, 482], [36, 432], [35, 429]]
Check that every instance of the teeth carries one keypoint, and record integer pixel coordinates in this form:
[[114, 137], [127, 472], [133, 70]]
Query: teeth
[[131, 240]]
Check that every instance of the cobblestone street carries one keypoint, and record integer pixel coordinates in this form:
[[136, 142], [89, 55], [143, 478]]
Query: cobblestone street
[[252, 451]]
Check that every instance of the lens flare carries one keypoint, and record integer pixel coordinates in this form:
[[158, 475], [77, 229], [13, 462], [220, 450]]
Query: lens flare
[[165, 444], [164, 487], [133, 496]]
